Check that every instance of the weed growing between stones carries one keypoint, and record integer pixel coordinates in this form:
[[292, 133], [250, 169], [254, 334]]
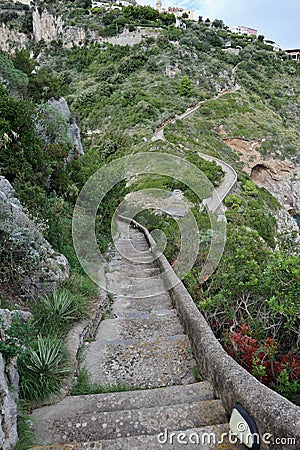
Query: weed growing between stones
[[85, 387]]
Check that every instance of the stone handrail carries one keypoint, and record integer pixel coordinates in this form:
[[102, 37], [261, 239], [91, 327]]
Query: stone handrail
[[274, 415]]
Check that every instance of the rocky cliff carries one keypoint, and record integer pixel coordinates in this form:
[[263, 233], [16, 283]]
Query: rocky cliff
[[11, 39], [37, 268], [62, 107], [48, 27], [280, 177]]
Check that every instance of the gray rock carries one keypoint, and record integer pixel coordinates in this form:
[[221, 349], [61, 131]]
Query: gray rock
[[62, 106], [8, 316], [52, 268], [74, 132], [8, 407]]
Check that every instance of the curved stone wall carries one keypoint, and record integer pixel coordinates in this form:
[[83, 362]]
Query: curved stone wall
[[274, 415]]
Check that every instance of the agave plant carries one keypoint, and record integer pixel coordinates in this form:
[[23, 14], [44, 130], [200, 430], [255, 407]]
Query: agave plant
[[41, 368], [53, 313], [60, 304]]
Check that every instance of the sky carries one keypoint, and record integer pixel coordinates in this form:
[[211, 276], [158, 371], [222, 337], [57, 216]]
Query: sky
[[278, 20]]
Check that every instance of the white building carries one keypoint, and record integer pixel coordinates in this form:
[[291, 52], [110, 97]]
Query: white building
[[180, 12], [239, 29], [273, 44], [96, 4]]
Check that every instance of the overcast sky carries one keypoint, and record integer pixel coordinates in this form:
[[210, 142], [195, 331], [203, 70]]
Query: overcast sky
[[278, 20]]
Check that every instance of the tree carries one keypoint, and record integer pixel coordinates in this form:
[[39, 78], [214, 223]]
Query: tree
[[185, 89], [218, 24], [23, 62]]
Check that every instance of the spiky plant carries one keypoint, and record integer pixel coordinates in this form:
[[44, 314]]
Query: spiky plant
[[42, 368]]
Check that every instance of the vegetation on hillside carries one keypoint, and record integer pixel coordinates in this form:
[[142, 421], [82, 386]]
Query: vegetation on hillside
[[120, 95]]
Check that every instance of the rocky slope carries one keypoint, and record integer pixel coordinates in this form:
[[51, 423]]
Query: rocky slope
[[42, 268]]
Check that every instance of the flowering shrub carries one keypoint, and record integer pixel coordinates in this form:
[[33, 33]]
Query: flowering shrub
[[267, 361]]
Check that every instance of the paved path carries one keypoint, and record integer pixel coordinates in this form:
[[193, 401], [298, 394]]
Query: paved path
[[141, 344], [213, 203]]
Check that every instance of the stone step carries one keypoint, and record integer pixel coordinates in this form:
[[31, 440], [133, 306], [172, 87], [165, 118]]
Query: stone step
[[205, 438], [75, 406], [134, 270], [134, 281], [127, 306], [144, 363], [137, 422], [150, 326]]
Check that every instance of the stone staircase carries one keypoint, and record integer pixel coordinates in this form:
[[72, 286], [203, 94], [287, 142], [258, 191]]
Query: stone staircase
[[141, 344]]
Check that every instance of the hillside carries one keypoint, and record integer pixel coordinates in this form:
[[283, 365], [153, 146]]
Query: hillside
[[125, 73]]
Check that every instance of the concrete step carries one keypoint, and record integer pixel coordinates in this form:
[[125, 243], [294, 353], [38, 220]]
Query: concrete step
[[123, 424], [134, 270], [150, 326], [204, 438], [130, 286], [144, 363], [75, 406], [128, 306]]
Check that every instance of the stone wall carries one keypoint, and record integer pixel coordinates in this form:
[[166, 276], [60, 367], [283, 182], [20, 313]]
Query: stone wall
[[272, 413]]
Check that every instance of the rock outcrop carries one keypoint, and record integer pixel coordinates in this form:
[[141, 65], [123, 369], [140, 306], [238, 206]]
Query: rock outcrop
[[287, 225], [281, 178], [9, 384], [11, 40], [61, 105], [9, 381], [42, 269], [46, 26]]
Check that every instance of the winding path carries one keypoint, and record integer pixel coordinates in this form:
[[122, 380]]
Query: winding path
[[141, 344], [213, 203]]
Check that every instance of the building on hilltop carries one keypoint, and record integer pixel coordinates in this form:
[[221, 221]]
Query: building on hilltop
[[293, 54], [273, 44], [159, 6], [178, 12], [24, 2], [239, 29], [181, 12], [109, 4]]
